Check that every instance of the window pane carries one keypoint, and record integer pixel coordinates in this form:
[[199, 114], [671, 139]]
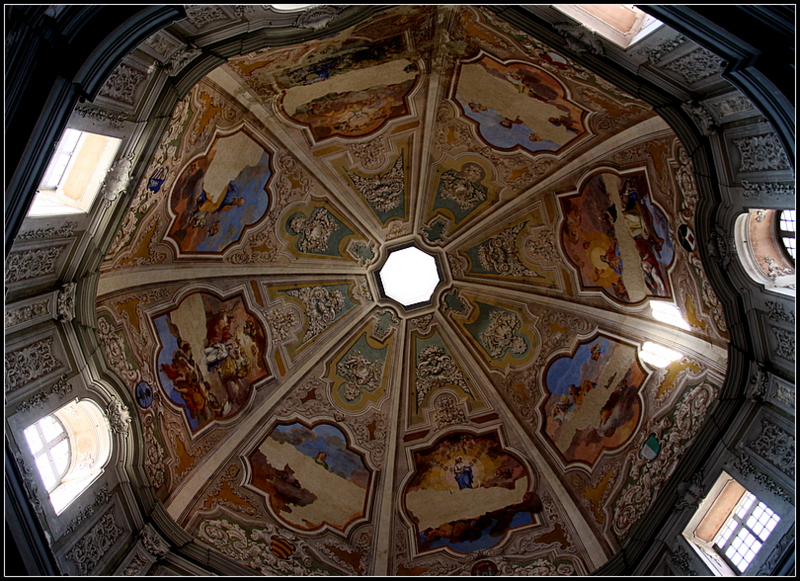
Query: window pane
[[51, 428], [746, 504], [46, 470], [34, 441], [60, 453]]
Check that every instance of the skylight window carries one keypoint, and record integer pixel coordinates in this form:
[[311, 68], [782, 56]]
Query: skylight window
[[75, 174], [622, 24], [409, 276]]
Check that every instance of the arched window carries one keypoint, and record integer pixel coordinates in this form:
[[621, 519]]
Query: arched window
[[765, 243], [71, 447]]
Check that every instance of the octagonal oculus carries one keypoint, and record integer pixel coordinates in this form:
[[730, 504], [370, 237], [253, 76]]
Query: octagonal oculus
[[409, 276]]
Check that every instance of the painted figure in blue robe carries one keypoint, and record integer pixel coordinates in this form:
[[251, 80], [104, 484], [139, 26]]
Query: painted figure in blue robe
[[230, 200], [463, 473]]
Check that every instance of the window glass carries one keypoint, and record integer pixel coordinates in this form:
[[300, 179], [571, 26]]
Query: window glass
[[745, 531], [787, 231], [50, 446]]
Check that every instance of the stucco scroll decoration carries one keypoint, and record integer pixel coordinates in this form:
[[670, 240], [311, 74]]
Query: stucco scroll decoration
[[119, 418], [61, 387], [137, 566], [29, 363], [183, 56], [385, 191], [333, 548], [360, 373], [370, 154], [746, 468], [114, 350], [255, 551], [647, 478], [786, 346], [447, 413], [502, 335], [787, 541], [696, 65], [778, 313], [27, 264], [154, 458], [121, 85], [282, 321], [204, 14], [701, 117], [153, 542], [732, 106], [229, 479], [117, 179], [539, 567], [322, 306], [767, 190], [542, 247], [776, 446], [24, 313], [656, 53], [88, 552], [115, 120], [580, 39], [501, 254], [681, 558], [64, 231], [437, 369], [29, 479], [317, 17], [65, 302], [761, 153], [315, 231], [101, 497]]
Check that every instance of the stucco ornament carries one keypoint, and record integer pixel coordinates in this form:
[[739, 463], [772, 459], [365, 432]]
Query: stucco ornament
[[384, 192], [501, 254], [437, 369], [360, 373], [315, 231], [322, 307], [502, 335]]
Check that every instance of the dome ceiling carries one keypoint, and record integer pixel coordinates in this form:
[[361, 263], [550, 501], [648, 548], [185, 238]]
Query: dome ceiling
[[299, 421]]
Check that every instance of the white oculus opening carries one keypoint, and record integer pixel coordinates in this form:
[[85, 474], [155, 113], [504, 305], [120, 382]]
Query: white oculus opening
[[409, 276]]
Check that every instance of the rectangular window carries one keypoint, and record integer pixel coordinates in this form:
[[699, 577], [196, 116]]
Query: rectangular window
[[75, 174], [745, 531]]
